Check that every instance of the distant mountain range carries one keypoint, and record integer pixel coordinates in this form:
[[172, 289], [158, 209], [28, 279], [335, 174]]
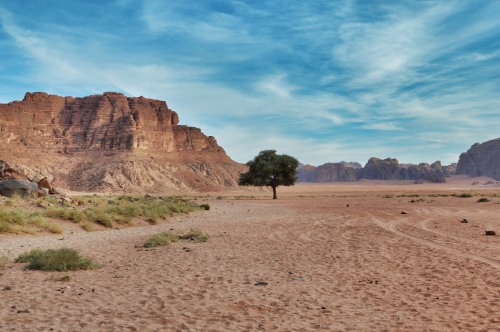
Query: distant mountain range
[[480, 160]]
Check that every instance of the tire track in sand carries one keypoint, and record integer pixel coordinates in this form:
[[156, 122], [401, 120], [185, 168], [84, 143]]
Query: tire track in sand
[[391, 226]]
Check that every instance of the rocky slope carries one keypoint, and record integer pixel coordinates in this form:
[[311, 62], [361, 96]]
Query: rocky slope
[[111, 142], [375, 169], [481, 160]]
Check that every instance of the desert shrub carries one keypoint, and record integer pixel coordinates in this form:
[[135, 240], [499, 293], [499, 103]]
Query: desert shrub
[[194, 235], [205, 207], [464, 195], [88, 226], [64, 259], [161, 239], [483, 200]]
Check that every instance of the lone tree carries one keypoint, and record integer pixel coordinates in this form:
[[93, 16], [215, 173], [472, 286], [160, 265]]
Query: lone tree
[[270, 169]]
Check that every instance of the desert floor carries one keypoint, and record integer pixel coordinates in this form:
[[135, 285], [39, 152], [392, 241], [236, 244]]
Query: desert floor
[[334, 257]]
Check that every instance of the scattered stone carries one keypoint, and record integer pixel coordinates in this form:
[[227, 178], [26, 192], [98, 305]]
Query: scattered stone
[[347, 205], [465, 221], [41, 205], [490, 232], [26, 311], [261, 283], [402, 212], [148, 195], [7, 288]]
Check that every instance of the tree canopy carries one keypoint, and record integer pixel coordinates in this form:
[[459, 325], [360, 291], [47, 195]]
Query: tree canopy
[[271, 170]]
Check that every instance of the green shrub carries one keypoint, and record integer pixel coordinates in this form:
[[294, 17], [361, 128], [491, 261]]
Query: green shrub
[[483, 200], [464, 195], [205, 207], [64, 259], [161, 239]]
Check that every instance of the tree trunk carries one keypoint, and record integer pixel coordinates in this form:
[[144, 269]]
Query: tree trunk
[[274, 193]]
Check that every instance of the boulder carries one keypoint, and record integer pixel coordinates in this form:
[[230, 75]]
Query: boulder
[[23, 188], [490, 232]]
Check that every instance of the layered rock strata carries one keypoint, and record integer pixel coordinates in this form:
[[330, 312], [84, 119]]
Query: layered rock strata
[[111, 142]]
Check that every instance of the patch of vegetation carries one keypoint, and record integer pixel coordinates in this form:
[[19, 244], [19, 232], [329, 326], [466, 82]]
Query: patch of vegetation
[[108, 211], [22, 221], [161, 239], [205, 207], [483, 200], [464, 195], [194, 235], [64, 259], [165, 238]]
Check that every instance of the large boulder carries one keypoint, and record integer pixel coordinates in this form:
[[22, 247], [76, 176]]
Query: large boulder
[[23, 188]]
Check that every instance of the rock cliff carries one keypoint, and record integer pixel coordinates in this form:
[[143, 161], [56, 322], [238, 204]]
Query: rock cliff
[[111, 142], [375, 169], [329, 172], [481, 160]]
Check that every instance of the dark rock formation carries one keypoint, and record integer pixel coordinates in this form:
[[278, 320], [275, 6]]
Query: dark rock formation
[[329, 172], [481, 160], [22, 188], [110, 141]]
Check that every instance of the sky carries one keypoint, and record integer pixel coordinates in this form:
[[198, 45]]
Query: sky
[[323, 81]]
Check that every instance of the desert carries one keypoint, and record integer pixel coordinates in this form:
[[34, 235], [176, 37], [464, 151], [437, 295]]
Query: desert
[[328, 257]]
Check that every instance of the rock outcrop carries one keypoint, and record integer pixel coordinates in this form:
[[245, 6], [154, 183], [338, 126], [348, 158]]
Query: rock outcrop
[[481, 160], [329, 172], [111, 142]]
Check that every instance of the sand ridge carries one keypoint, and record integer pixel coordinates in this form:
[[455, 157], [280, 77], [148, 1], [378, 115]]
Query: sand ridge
[[327, 266]]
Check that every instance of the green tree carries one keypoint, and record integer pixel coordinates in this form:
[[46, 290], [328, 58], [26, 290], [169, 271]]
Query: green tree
[[271, 170]]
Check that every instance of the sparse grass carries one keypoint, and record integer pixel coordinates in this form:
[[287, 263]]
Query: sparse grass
[[22, 221], [64, 259], [165, 238], [464, 195], [161, 239], [483, 200], [194, 235], [4, 262], [107, 211]]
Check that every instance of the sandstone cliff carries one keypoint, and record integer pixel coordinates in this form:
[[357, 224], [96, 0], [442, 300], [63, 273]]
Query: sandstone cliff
[[481, 160], [111, 142]]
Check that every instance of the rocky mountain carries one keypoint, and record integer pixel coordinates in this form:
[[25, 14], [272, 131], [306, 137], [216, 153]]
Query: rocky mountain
[[329, 172], [481, 160], [111, 142], [375, 169]]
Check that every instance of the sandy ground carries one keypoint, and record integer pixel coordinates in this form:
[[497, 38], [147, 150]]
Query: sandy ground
[[334, 258]]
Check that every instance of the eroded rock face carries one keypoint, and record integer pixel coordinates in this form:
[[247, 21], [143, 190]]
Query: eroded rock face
[[375, 169], [329, 172], [107, 122], [99, 136], [481, 160]]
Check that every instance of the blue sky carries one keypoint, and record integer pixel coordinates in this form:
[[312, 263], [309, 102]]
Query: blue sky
[[323, 81]]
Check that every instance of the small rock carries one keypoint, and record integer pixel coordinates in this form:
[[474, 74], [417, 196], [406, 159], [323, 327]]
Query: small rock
[[7, 288], [465, 221], [402, 212], [261, 283], [490, 232]]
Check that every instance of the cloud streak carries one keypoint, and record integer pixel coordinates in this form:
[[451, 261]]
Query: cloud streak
[[323, 81]]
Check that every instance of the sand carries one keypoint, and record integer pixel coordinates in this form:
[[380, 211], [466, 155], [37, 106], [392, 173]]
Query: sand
[[326, 266]]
